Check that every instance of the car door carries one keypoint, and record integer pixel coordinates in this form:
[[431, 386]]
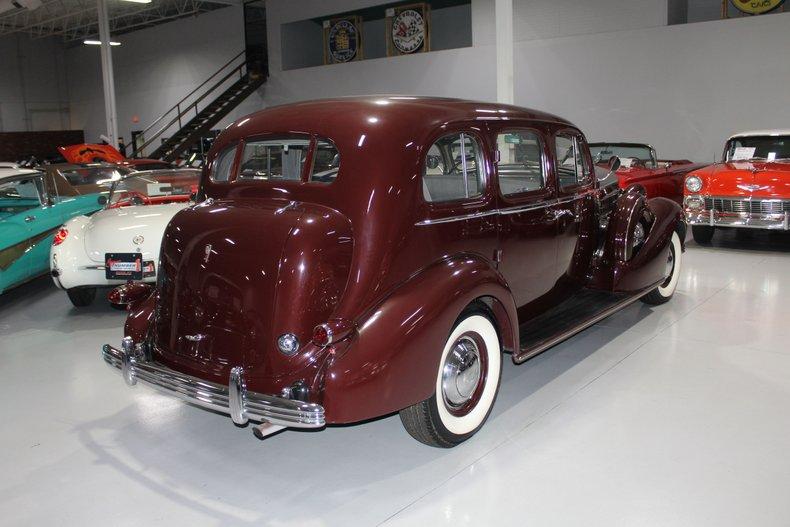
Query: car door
[[527, 226], [20, 202], [575, 209], [459, 203]]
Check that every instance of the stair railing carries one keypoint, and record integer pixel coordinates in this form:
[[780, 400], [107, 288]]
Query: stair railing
[[178, 112]]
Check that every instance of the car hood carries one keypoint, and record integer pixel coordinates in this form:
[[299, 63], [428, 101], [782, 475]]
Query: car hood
[[759, 179], [129, 229]]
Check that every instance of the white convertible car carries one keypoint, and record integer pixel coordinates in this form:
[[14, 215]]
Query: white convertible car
[[121, 242]]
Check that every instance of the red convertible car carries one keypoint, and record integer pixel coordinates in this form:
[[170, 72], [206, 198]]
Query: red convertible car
[[749, 189], [363, 256], [641, 166]]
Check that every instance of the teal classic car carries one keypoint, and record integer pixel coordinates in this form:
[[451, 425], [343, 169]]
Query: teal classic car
[[33, 206]]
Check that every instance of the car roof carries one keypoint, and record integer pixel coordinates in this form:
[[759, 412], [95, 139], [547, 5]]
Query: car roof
[[388, 118], [758, 133]]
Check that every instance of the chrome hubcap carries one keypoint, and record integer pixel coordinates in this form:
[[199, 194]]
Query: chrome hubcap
[[461, 372]]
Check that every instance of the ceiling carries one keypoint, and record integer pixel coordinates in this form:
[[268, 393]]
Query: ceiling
[[76, 20]]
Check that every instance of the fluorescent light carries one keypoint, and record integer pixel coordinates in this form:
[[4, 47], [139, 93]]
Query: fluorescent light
[[139, 1], [98, 42]]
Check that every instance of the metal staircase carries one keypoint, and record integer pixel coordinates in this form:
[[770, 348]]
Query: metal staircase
[[192, 117]]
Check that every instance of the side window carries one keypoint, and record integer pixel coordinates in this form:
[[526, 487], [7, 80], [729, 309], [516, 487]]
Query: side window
[[586, 172], [453, 169], [223, 164], [20, 194], [569, 165], [326, 162], [520, 166], [274, 159]]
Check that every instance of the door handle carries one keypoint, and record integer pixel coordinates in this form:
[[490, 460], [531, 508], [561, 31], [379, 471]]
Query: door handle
[[28, 219]]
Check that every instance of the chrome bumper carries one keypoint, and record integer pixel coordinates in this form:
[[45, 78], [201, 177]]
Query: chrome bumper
[[746, 220], [233, 399]]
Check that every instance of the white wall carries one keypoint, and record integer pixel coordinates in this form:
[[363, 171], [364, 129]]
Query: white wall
[[683, 88], [154, 69], [33, 89]]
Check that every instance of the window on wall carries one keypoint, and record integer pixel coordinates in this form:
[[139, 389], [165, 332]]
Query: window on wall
[[520, 167], [302, 41], [453, 169]]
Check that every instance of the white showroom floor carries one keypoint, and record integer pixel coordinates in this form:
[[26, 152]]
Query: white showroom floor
[[672, 415]]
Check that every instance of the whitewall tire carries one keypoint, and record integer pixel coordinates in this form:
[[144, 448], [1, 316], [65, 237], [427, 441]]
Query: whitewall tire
[[664, 292], [466, 384]]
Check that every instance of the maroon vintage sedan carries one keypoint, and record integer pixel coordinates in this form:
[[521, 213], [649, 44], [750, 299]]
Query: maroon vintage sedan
[[358, 257]]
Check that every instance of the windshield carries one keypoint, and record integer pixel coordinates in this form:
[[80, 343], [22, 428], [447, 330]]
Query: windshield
[[147, 187], [643, 154], [93, 175], [768, 148]]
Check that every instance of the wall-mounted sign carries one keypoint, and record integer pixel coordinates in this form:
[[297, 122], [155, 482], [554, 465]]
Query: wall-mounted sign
[[342, 39], [757, 7], [408, 29]]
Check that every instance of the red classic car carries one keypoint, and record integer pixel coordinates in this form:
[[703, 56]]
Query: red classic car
[[640, 166], [363, 256], [749, 189]]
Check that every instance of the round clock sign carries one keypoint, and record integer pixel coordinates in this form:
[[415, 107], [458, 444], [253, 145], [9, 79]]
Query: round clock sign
[[343, 41], [408, 31]]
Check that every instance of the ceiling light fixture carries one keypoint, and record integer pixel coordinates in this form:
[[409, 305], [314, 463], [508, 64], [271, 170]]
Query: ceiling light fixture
[[98, 42], [139, 1]]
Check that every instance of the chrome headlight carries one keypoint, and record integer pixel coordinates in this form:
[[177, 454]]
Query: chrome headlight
[[693, 184]]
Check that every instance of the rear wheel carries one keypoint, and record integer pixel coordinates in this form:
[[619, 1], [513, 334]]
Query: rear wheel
[[466, 385], [702, 233], [82, 296], [664, 292]]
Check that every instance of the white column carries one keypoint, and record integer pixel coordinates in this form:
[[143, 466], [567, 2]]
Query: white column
[[503, 15], [108, 78]]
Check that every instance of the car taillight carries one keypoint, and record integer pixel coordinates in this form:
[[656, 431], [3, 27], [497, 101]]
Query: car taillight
[[60, 236], [322, 335]]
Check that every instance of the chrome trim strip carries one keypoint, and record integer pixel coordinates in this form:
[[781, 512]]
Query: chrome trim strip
[[233, 398], [502, 212], [94, 267]]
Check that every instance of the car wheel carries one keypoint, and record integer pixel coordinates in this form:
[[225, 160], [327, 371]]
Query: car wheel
[[466, 384], [702, 234], [664, 292], [81, 296]]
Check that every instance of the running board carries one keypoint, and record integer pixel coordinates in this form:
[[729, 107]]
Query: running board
[[575, 314]]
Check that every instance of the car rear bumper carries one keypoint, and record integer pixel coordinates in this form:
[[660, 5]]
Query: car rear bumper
[[744, 220], [233, 399]]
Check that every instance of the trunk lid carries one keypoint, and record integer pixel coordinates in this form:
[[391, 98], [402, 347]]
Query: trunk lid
[[223, 265]]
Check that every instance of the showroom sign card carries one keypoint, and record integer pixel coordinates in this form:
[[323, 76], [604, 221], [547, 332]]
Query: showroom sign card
[[743, 153]]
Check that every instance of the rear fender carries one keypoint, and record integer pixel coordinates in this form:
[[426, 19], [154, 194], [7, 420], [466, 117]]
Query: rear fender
[[623, 268], [392, 360]]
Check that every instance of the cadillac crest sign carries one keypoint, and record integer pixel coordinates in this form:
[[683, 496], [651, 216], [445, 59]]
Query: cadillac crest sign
[[342, 40]]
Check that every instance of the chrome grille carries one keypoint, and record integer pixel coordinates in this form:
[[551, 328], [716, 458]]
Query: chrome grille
[[751, 206]]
